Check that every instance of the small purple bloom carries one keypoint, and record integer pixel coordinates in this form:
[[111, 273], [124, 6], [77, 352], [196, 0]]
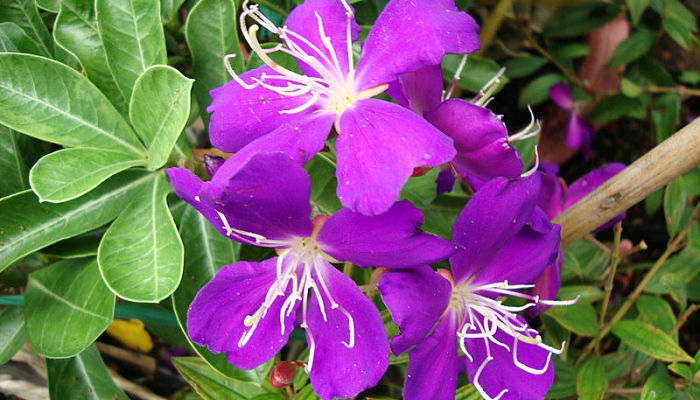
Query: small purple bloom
[[249, 309], [579, 133], [504, 242], [379, 143]]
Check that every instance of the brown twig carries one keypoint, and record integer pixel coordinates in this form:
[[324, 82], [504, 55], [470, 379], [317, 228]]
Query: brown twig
[[670, 159]]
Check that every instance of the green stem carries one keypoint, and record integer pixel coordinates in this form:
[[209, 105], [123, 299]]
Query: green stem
[[614, 261]]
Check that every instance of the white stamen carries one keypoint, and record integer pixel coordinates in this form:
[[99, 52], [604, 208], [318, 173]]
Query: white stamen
[[477, 385], [532, 129], [484, 97], [533, 169], [455, 77]]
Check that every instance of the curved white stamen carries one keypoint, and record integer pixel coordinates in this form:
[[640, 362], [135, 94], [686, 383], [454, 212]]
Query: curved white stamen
[[484, 97], [533, 169], [455, 77], [477, 385], [309, 103], [525, 367], [528, 131]]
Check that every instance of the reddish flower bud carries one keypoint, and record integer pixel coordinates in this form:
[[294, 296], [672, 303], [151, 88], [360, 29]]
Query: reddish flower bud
[[282, 374]]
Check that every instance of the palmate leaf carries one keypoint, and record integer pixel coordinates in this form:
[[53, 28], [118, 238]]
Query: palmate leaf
[[159, 107], [25, 14], [76, 31], [27, 225], [141, 255], [133, 38], [66, 307], [81, 377], [50, 101], [69, 173], [211, 33]]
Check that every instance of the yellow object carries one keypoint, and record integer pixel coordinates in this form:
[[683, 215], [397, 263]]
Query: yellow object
[[131, 333]]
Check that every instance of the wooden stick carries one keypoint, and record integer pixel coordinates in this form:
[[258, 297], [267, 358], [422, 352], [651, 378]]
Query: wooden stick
[[670, 159]]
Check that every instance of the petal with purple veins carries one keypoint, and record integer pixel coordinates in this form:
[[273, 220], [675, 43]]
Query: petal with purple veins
[[419, 90], [391, 239], [410, 34], [378, 146], [241, 115], [216, 317], [493, 216], [417, 297], [480, 138], [350, 348], [432, 364], [579, 134]]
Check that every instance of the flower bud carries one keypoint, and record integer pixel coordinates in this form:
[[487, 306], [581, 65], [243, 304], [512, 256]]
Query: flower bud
[[282, 374]]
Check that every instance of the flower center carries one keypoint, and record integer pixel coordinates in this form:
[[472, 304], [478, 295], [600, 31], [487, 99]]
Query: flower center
[[482, 318], [333, 88]]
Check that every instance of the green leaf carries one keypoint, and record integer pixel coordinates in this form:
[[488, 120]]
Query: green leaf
[[655, 72], [467, 392], [76, 31], [210, 384], [636, 9], [441, 214], [133, 38], [658, 386], [579, 318], [565, 383], [71, 295], [206, 250], [49, 5], [580, 19], [675, 205], [652, 204], [12, 332], [586, 294], [679, 23], [321, 170], [50, 101], [657, 312], [69, 173], [677, 289], [12, 166], [520, 67], [84, 245], [14, 39], [477, 72], [650, 340], [629, 88], [632, 48], [159, 107], [614, 107], [537, 91], [169, 9], [141, 254], [690, 77], [683, 265], [421, 190], [666, 114], [212, 33], [81, 377], [27, 225], [682, 370], [25, 14], [591, 382]]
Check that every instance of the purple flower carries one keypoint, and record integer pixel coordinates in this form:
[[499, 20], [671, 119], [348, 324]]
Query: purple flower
[[480, 137], [555, 198], [379, 143], [249, 309], [579, 132], [505, 242]]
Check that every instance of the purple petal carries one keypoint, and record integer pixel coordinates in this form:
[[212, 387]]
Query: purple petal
[[493, 216], [267, 196], [338, 370], [432, 364], [579, 134], [560, 93], [378, 146], [547, 285], [300, 139], [391, 239], [304, 20], [215, 318], [445, 181], [480, 138], [417, 297], [588, 183], [410, 34], [502, 373], [552, 193], [212, 164], [420, 90], [524, 257], [241, 115]]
